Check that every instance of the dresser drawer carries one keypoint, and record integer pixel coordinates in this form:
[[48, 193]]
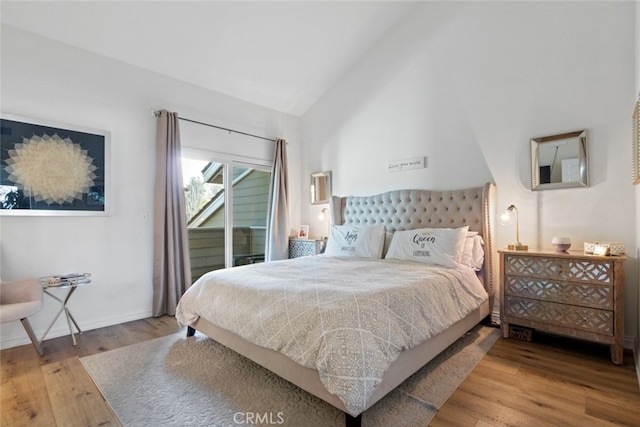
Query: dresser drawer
[[570, 316], [584, 294], [565, 269]]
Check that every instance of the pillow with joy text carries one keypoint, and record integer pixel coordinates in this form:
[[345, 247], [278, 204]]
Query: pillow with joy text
[[357, 241]]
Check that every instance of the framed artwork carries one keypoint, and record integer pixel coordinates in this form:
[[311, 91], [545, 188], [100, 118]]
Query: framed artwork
[[52, 169], [303, 232], [635, 145]]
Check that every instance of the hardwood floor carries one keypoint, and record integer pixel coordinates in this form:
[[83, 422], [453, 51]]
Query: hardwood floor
[[55, 390], [550, 382]]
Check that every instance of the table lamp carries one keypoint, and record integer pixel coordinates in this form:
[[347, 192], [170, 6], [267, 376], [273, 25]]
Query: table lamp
[[507, 218]]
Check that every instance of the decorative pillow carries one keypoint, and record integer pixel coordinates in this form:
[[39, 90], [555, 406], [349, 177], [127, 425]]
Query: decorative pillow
[[473, 252], [349, 240], [388, 236], [443, 246]]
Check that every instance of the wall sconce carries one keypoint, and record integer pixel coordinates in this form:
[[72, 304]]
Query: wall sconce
[[508, 217]]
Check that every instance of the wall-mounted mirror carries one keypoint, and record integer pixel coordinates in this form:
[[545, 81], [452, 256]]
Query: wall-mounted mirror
[[559, 161], [320, 187]]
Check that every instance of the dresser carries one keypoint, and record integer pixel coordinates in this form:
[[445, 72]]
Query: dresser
[[571, 294], [303, 247]]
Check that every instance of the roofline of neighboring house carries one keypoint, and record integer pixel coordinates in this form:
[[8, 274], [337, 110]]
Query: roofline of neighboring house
[[214, 204]]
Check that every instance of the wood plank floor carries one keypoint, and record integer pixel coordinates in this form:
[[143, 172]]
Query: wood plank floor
[[550, 382]]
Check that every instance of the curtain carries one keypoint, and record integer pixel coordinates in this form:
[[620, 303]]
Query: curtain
[[171, 265], [277, 244]]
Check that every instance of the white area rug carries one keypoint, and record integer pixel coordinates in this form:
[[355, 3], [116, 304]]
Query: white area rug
[[179, 381]]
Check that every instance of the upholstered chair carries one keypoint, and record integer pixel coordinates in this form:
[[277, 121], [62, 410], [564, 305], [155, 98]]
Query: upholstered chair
[[19, 299]]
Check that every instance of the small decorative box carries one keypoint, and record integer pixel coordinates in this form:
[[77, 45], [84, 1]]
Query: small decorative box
[[589, 247], [601, 249], [615, 248]]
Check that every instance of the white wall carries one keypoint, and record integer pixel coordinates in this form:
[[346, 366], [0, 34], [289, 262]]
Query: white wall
[[468, 85], [52, 81]]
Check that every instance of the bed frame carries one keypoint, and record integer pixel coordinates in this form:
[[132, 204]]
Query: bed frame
[[396, 210]]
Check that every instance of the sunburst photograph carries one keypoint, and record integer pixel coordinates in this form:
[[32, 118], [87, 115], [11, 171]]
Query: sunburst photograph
[[45, 169]]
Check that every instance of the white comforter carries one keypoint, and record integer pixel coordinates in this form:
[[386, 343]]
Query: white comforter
[[349, 318]]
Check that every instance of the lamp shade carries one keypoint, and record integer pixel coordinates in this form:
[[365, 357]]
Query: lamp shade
[[507, 217]]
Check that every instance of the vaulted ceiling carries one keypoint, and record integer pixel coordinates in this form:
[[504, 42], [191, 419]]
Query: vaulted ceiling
[[281, 55]]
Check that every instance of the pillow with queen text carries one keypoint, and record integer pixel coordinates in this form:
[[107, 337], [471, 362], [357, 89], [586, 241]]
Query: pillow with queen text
[[442, 246]]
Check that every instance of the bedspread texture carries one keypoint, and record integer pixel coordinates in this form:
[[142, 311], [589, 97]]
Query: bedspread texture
[[348, 318]]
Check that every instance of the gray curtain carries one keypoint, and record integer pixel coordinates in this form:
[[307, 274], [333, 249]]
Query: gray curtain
[[277, 244], [171, 266]]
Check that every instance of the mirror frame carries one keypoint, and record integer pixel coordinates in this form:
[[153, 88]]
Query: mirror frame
[[537, 143], [316, 197], [635, 145]]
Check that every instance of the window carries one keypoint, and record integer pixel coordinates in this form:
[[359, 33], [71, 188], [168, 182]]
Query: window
[[227, 204]]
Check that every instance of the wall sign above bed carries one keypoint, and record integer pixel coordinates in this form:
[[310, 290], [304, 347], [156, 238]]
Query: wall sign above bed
[[407, 164], [52, 169]]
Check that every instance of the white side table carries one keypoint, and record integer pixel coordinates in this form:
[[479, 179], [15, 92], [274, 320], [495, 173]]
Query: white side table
[[70, 282]]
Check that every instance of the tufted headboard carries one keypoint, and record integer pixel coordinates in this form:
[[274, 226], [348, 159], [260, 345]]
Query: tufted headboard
[[411, 209]]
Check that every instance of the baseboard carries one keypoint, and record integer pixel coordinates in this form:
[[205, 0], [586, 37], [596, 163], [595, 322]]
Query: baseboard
[[62, 329], [630, 342]]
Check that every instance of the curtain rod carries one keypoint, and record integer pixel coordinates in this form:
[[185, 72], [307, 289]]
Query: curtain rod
[[157, 114]]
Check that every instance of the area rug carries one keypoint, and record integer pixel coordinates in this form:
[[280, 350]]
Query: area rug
[[179, 381]]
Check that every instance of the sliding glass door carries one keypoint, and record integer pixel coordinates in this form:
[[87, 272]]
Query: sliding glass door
[[227, 204], [249, 219]]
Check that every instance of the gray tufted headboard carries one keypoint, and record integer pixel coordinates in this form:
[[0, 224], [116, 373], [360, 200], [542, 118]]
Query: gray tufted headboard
[[411, 209]]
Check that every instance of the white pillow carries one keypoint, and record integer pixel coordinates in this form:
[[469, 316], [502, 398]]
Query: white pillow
[[388, 236], [473, 252], [350, 240], [443, 246], [465, 256]]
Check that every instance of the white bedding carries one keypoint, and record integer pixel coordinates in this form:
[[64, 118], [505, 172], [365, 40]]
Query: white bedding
[[349, 318]]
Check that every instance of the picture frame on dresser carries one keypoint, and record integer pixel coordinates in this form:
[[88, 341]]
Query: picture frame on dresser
[[571, 294], [303, 232]]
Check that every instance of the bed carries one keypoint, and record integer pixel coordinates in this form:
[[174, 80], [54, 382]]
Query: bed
[[326, 286]]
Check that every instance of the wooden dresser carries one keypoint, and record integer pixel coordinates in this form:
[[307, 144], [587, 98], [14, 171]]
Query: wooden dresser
[[572, 294]]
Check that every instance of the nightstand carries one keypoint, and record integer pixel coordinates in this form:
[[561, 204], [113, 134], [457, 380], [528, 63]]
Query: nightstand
[[70, 283], [571, 294], [303, 247]]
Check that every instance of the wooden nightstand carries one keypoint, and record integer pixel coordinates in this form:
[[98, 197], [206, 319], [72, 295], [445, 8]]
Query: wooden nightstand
[[303, 247], [572, 294]]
